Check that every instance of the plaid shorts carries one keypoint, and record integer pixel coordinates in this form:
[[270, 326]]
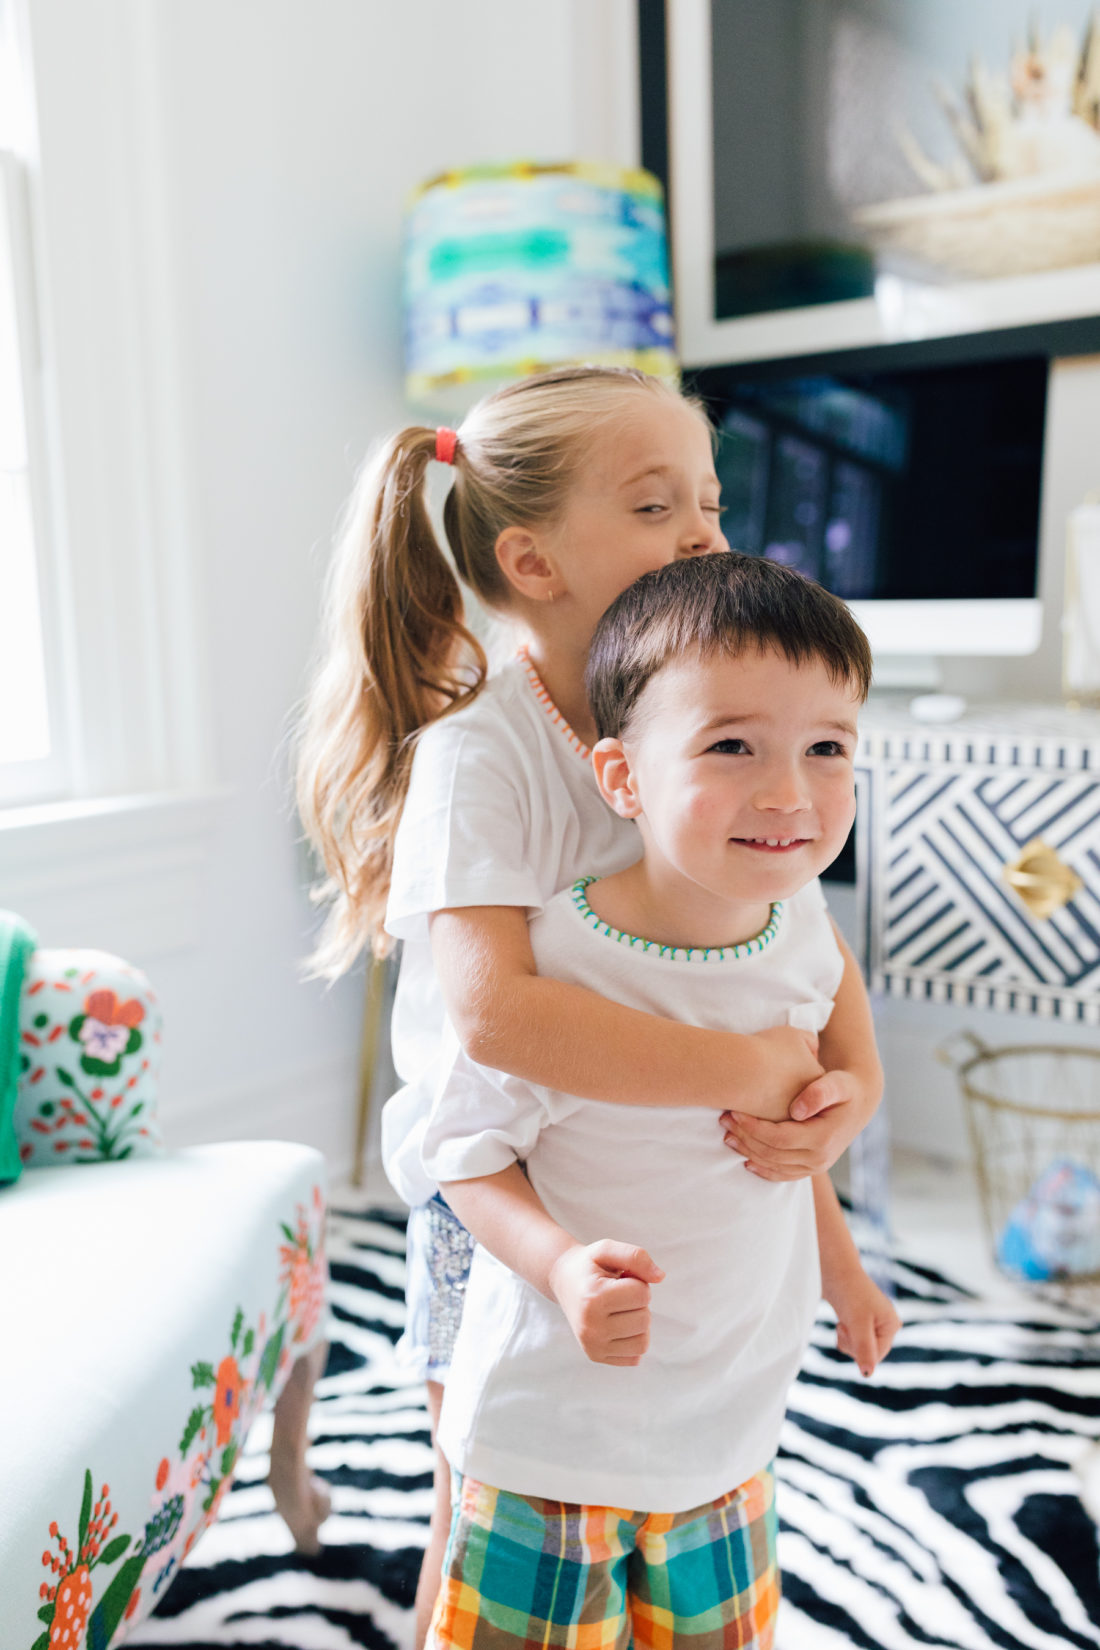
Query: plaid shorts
[[520, 1571]]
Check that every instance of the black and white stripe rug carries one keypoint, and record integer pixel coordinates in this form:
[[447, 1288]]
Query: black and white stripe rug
[[933, 1506]]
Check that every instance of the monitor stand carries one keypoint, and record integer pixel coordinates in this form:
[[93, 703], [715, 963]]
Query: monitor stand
[[919, 671]]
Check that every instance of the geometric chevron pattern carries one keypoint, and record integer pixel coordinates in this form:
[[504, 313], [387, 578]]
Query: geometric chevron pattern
[[945, 924]]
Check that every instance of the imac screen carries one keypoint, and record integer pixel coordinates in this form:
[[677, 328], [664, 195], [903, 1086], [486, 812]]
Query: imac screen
[[905, 484]]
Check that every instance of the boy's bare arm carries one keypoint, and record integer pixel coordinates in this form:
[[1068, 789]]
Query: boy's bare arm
[[866, 1319], [602, 1288], [836, 1106], [506, 1216], [564, 1037]]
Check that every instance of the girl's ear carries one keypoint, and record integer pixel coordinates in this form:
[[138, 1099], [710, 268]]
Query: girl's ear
[[615, 778], [529, 570]]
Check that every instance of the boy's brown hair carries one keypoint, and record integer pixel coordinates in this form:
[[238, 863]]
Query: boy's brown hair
[[722, 603]]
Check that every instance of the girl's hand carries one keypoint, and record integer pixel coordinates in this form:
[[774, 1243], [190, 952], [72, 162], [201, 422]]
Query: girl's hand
[[792, 1058], [603, 1289], [866, 1319], [835, 1108]]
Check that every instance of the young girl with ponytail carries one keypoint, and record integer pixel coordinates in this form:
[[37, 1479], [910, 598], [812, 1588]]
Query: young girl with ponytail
[[449, 804]]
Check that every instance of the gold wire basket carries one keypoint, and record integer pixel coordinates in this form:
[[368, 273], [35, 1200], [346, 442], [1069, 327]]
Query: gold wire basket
[[1028, 1108]]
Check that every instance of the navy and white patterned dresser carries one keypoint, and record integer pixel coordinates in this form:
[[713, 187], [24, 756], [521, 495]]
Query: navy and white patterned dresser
[[978, 847]]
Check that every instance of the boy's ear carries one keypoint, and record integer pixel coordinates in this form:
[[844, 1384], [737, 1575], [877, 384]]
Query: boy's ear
[[525, 565], [615, 778]]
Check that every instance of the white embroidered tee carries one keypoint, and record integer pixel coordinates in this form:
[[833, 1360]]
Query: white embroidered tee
[[502, 809], [524, 1409]]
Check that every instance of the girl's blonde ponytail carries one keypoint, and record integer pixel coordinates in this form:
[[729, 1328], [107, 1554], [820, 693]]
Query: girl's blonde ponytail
[[395, 652], [395, 655]]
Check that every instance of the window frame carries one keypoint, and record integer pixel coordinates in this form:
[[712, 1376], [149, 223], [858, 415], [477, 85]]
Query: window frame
[[125, 549], [49, 776]]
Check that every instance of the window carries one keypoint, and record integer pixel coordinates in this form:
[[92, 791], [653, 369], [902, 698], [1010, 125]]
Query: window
[[102, 842], [24, 712], [32, 744]]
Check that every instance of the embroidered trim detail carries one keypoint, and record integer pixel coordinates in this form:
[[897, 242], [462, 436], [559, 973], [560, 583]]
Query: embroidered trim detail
[[550, 708], [678, 953]]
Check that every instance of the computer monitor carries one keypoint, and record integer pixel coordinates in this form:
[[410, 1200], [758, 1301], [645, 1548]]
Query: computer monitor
[[912, 491]]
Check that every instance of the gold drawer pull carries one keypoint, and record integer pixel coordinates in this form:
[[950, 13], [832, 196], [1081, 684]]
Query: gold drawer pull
[[1043, 882]]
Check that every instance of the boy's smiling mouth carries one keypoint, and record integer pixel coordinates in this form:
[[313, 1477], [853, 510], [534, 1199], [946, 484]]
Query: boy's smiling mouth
[[772, 844]]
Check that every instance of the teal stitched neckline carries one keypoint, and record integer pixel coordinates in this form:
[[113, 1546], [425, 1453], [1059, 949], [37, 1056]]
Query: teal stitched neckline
[[677, 953]]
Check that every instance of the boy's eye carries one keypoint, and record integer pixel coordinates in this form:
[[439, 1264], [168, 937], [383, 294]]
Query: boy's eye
[[828, 747], [728, 747]]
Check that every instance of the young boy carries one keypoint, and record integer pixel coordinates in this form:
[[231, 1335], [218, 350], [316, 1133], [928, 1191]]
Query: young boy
[[629, 1344]]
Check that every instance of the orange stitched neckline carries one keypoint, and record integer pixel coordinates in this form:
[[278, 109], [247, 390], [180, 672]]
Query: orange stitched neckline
[[542, 695]]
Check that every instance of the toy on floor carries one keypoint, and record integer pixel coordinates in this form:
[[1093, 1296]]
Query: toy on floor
[[1054, 1232]]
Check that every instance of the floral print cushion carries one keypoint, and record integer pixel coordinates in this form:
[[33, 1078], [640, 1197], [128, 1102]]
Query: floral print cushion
[[90, 1046]]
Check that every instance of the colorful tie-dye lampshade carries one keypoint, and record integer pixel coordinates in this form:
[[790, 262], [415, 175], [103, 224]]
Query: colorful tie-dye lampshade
[[513, 269]]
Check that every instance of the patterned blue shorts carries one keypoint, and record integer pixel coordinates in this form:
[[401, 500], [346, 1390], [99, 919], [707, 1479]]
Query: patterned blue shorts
[[440, 1250]]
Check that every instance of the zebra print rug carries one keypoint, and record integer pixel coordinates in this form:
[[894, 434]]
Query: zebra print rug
[[934, 1506]]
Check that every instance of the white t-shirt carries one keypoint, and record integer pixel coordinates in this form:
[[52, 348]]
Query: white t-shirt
[[502, 809], [525, 1410]]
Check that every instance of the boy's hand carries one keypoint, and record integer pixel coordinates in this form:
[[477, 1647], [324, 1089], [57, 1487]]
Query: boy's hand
[[866, 1319], [835, 1108], [603, 1289]]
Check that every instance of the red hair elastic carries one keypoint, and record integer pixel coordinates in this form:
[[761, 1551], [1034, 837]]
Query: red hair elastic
[[445, 443]]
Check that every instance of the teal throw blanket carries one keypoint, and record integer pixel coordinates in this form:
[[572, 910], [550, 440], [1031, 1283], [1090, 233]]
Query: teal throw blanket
[[17, 941]]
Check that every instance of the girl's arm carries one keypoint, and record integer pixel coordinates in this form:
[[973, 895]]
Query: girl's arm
[[565, 1037], [840, 1104], [602, 1288], [866, 1319]]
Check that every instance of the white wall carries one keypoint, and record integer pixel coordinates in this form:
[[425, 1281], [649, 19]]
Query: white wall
[[288, 135]]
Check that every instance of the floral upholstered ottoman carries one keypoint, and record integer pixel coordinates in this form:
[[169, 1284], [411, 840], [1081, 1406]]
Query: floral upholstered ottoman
[[151, 1302]]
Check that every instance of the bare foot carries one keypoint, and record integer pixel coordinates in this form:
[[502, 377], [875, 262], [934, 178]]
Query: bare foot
[[303, 1503]]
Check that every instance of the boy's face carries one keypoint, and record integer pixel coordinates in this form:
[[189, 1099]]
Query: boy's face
[[740, 773]]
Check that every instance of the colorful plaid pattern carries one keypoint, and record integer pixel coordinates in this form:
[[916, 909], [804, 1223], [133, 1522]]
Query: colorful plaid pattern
[[521, 1572]]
